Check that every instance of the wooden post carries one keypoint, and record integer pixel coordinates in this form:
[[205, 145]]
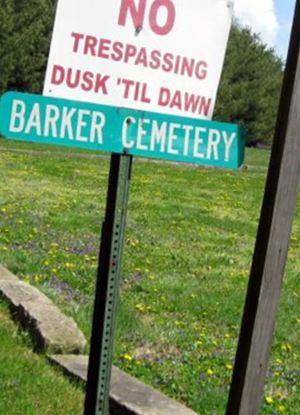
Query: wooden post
[[271, 245]]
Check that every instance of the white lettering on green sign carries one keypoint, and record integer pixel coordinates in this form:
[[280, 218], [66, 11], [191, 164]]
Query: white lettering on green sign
[[54, 121], [58, 122]]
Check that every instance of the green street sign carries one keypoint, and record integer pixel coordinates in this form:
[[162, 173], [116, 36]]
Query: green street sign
[[41, 119]]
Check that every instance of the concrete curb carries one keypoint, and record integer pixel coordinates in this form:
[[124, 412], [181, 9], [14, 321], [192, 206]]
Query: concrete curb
[[60, 337], [7, 275], [128, 396], [51, 330]]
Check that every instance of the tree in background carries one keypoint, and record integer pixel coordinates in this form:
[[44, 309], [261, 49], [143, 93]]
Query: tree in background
[[24, 43], [250, 84], [7, 55]]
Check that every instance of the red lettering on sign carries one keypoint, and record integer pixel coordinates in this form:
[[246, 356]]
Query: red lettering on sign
[[168, 26], [104, 48], [201, 70], [58, 75], [77, 37], [185, 101], [117, 51], [129, 52], [90, 45], [138, 15], [77, 79]]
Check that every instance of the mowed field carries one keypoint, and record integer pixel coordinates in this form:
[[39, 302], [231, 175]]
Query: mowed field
[[189, 243]]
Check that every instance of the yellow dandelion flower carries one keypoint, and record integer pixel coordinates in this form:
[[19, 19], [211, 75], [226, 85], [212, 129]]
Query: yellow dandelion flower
[[140, 307], [209, 372], [286, 347], [269, 400]]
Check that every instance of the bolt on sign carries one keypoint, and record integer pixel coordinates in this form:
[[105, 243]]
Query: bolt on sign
[[164, 56]]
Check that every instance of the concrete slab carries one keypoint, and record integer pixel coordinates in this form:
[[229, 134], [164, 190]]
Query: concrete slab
[[52, 331], [7, 275], [56, 333], [17, 292], [128, 396]]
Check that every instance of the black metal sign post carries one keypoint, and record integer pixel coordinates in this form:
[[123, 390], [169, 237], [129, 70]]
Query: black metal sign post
[[271, 245], [107, 288]]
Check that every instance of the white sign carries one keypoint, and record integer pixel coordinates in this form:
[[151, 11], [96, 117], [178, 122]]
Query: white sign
[[164, 56]]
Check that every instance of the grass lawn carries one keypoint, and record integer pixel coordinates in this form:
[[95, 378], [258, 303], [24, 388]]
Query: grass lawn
[[28, 385], [189, 244]]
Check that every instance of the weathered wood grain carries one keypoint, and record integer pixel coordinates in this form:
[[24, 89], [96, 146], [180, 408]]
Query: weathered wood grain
[[271, 245]]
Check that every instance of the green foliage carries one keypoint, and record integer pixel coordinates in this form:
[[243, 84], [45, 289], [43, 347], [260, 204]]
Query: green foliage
[[24, 43], [7, 56], [250, 85]]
